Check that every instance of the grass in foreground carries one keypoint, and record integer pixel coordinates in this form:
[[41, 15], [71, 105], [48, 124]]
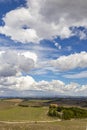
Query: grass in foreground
[[62, 125]]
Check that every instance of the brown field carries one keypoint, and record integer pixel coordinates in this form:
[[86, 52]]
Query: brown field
[[14, 100]]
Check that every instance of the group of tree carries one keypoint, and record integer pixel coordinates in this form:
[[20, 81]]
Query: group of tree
[[66, 112]]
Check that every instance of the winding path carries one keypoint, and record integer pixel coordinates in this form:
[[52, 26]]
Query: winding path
[[20, 122]]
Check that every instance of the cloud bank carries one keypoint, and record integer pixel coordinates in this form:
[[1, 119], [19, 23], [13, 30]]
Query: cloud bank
[[27, 85]]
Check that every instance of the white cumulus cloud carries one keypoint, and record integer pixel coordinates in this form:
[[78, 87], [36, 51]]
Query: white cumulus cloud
[[13, 63], [17, 83], [45, 20], [65, 63]]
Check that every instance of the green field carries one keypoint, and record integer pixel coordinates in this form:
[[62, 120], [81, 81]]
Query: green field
[[15, 117], [25, 113], [11, 111]]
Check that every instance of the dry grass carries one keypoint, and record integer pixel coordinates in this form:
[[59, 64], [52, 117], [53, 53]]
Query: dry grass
[[63, 125]]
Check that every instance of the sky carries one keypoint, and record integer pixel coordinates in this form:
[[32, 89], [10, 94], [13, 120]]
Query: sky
[[43, 48]]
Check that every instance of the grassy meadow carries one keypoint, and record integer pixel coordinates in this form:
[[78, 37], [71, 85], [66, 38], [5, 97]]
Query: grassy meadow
[[19, 114], [10, 110]]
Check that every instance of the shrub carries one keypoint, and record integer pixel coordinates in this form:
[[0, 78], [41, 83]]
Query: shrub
[[60, 108], [67, 114], [23, 105], [53, 113]]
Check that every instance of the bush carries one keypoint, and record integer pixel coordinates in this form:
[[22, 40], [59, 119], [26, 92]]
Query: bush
[[67, 114], [79, 113], [60, 108], [23, 105], [53, 113], [50, 112]]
